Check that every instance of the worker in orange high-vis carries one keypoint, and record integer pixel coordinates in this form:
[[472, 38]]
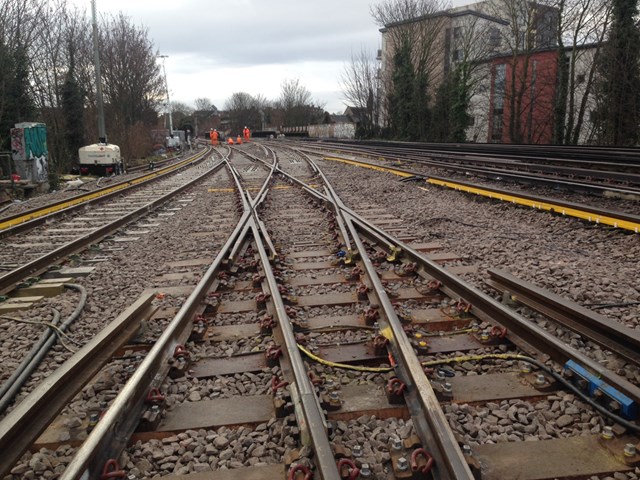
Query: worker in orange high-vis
[[214, 137], [247, 133]]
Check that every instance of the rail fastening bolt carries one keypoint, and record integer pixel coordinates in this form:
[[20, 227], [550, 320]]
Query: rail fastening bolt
[[447, 387], [403, 464], [466, 450], [396, 444], [629, 450], [365, 471], [357, 451], [525, 367], [540, 379], [607, 433]]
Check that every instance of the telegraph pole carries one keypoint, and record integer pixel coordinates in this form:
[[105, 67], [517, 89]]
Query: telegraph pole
[[166, 86]]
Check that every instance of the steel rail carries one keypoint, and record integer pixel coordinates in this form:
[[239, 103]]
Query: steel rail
[[607, 333], [428, 418], [519, 177], [579, 155], [522, 332], [13, 224], [622, 220], [8, 281], [302, 390], [21, 427], [546, 165], [112, 432]]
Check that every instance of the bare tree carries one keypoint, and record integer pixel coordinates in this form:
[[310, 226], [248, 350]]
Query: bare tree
[[133, 84], [203, 104], [583, 25], [19, 26], [296, 104], [243, 110], [361, 88]]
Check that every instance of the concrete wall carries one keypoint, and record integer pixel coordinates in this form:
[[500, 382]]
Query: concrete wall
[[333, 130]]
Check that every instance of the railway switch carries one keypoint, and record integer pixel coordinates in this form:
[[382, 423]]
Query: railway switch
[[605, 394]]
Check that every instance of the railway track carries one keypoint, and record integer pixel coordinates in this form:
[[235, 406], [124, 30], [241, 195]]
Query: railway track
[[40, 236], [603, 178], [583, 208], [311, 308]]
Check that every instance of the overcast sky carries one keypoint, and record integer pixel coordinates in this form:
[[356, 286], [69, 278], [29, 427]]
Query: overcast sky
[[218, 48]]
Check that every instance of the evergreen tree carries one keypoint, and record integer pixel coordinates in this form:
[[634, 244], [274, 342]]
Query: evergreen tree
[[450, 111], [73, 112], [420, 120], [401, 98], [618, 114]]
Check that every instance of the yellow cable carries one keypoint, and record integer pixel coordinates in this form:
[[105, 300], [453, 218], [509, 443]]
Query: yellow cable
[[344, 365], [464, 358], [471, 358]]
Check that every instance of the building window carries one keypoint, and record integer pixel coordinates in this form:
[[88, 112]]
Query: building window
[[494, 37], [499, 86], [496, 128], [457, 55], [457, 32]]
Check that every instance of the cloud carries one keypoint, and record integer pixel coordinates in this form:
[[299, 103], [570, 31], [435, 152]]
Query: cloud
[[216, 49]]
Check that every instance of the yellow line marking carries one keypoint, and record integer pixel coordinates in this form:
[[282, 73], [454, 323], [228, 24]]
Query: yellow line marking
[[550, 207], [372, 167], [90, 196]]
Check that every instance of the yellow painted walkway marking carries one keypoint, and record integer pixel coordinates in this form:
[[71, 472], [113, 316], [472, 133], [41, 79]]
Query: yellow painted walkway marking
[[485, 192], [90, 196], [372, 167]]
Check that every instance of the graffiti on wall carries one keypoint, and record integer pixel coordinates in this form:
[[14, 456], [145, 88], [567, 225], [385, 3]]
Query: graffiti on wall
[[29, 151]]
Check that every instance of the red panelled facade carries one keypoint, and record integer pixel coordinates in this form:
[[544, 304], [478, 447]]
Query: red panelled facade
[[522, 97]]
